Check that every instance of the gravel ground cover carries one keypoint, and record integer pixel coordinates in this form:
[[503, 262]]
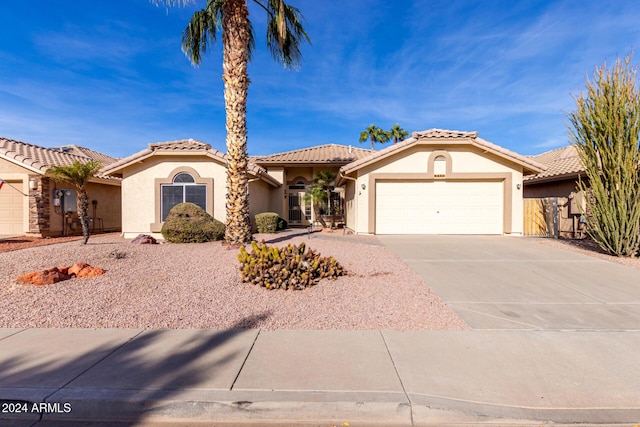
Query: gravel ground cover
[[22, 242], [590, 248], [198, 286]]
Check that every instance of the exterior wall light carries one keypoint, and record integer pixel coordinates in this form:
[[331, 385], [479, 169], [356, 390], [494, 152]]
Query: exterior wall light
[[363, 186], [518, 186]]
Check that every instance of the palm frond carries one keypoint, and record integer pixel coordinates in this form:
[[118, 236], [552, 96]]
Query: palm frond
[[285, 32], [77, 174], [200, 32]]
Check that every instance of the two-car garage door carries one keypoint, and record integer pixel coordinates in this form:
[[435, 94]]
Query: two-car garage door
[[11, 208], [439, 207]]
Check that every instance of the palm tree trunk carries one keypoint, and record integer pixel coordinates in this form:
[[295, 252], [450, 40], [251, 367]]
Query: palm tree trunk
[[318, 215], [373, 141], [235, 40], [83, 213]]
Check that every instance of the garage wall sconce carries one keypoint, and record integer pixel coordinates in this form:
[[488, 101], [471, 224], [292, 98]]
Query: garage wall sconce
[[33, 184], [518, 186], [363, 186]]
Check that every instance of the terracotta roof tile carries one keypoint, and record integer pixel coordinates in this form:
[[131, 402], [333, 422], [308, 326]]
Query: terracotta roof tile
[[180, 145], [190, 146], [328, 153], [86, 152], [560, 162], [39, 159], [442, 136]]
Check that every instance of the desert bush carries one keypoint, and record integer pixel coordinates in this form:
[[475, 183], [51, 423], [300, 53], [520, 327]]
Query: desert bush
[[267, 222], [189, 223], [116, 254], [605, 130], [292, 267]]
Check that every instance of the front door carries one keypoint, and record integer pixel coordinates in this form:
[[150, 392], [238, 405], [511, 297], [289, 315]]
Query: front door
[[299, 212]]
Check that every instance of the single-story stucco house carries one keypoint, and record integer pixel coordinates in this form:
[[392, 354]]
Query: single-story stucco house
[[31, 203], [436, 182]]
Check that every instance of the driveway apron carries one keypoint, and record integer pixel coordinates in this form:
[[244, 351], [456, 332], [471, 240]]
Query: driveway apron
[[499, 282]]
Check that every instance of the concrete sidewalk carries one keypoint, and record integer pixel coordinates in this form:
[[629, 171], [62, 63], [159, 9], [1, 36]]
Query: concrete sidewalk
[[320, 378]]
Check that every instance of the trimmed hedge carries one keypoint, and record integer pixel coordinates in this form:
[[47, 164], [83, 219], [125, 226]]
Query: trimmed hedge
[[267, 222], [189, 223]]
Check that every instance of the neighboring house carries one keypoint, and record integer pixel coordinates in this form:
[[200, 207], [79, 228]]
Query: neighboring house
[[436, 182], [558, 185], [32, 203]]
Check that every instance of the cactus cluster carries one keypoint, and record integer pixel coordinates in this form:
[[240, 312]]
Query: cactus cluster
[[292, 267]]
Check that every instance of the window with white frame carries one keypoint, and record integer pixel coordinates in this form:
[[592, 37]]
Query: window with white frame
[[182, 189]]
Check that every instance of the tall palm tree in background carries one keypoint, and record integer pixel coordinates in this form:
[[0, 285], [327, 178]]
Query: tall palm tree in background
[[374, 134], [285, 34], [397, 133], [78, 175]]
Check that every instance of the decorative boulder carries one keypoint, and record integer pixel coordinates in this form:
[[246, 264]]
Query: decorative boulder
[[44, 277], [189, 223], [58, 274], [81, 269], [144, 239]]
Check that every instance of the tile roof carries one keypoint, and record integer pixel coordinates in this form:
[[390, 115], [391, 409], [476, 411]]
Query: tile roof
[[442, 136], [328, 153], [182, 146], [39, 159], [104, 159], [561, 163]]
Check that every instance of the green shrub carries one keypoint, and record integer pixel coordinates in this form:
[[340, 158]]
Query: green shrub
[[288, 268], [267, 222], [189, 223], [282, 224]]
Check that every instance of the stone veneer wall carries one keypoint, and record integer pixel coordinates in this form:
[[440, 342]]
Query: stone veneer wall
[[39, 205]]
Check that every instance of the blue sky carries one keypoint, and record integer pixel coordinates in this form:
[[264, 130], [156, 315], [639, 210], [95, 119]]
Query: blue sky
[[110, 75]]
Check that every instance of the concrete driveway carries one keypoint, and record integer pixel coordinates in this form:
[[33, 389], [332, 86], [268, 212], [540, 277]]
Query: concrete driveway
[[497, 282]]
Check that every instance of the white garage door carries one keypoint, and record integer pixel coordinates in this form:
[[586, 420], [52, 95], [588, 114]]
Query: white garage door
[[439, 207], [11, 214]]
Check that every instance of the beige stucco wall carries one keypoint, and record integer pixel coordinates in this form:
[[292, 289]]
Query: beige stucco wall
[[465, 161], [277, 199], [139, 190], [260, 198], [350, 204]]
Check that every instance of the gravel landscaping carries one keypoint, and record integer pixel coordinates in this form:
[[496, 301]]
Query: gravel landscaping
[[198, 286], [590, 248]]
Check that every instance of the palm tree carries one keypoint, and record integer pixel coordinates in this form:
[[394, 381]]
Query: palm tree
[[285, 34], [397, 133], [374, 134], [78, 174], [320, 193]]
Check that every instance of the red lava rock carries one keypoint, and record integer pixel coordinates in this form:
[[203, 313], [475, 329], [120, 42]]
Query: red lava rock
[[26, 279], [89, 271], [58, 274], [44, 277], [144, 239], [77, 268]]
